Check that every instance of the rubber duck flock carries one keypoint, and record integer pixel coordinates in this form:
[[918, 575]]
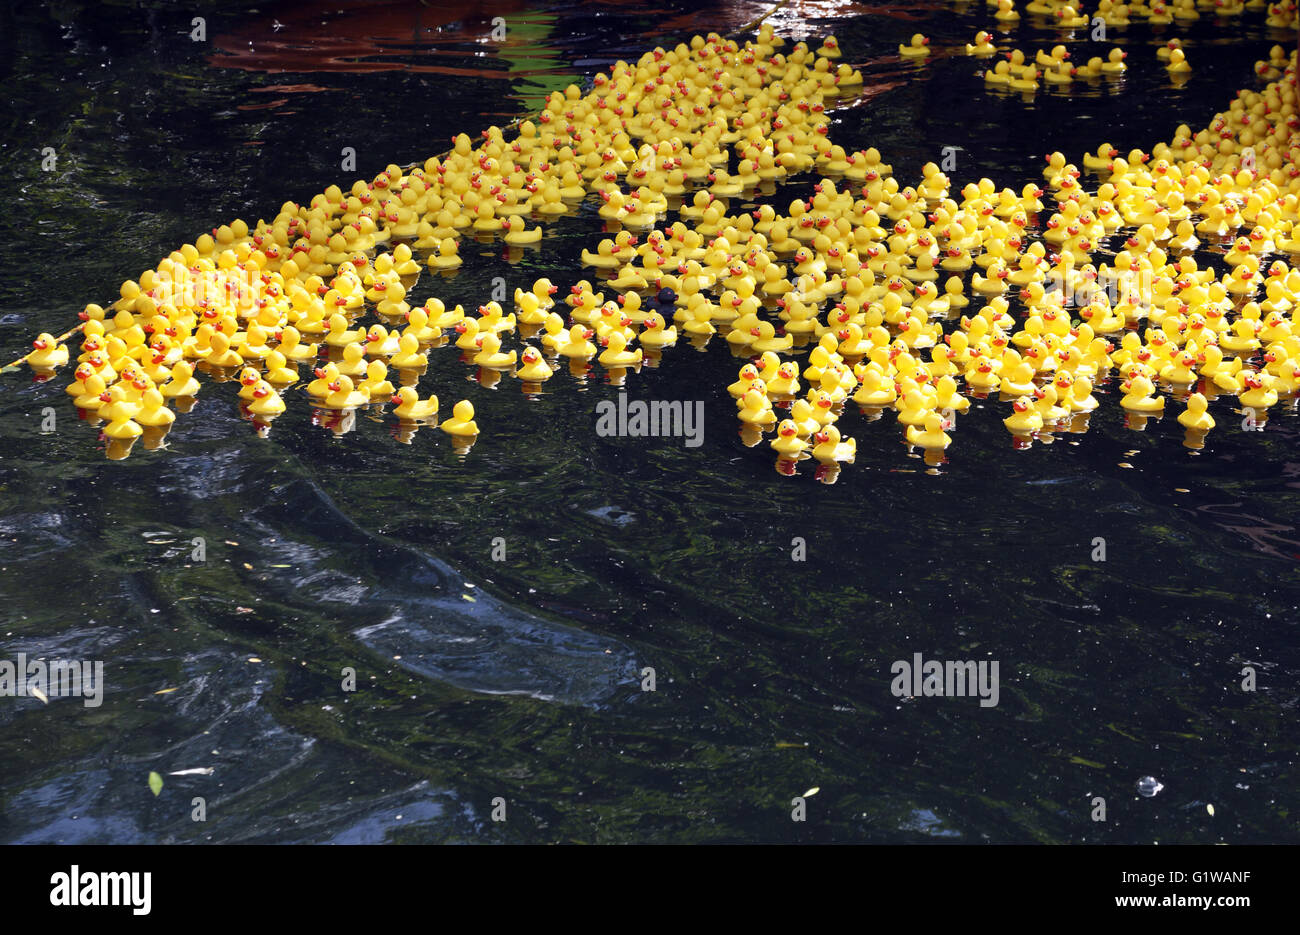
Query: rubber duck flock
[[902, 295]]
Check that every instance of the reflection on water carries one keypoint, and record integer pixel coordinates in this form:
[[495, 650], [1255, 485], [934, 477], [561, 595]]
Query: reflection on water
[[329, 547]]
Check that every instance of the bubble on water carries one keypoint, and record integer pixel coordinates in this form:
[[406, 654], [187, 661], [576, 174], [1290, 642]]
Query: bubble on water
[[1148, 786]]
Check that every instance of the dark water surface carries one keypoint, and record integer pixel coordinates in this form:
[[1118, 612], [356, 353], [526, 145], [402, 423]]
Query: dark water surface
[[522, 678]]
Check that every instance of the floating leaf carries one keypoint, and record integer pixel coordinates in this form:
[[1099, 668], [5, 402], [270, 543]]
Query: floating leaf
[[166, 691], [813, 791], [37, 693], [155, 783], [1210, 808], [196, 771]]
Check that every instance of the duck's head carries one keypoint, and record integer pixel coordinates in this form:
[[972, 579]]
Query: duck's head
[[463, 411]]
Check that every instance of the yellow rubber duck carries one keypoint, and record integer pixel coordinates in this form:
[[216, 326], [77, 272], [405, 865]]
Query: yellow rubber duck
[[182, 382], [787, 443], [413, 409], [380, 343], [344, 395], [1060, 73], [517, 233], [116, 403], [1257, 391], [1287, 380], [529, 309], [320, 387], [1045, 402], [1178, 63], [982, 46], [578, 346], [1006, 12], [492, 319], [409, 356], [1081, 398], [876, 389], [264, 402], [376, 384], [47, 354], [491, 356], [831, 449], [469, 336], [786, 381], [78, 385], [1181, 369], [534, 368], [1018, 380], [1024, 418], [278, 371], [981, 376], [339, 335], [94, 393], [153, 410], [999, 74], [220, 353], [931, 435], [603, 258], [616, 353], [766, 339], [748, 374], [447, 257], [755, 408], [656, 332], [1242, 338], [918, 48], [947, 396], [291, 347], [913, 407], [1139, 396], [462, 422], [554, 334], [354, 361], [1196, 416], [122, 427], [830, 48]]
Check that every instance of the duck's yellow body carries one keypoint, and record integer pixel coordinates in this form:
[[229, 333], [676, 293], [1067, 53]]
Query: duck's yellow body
[[461, 423]]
